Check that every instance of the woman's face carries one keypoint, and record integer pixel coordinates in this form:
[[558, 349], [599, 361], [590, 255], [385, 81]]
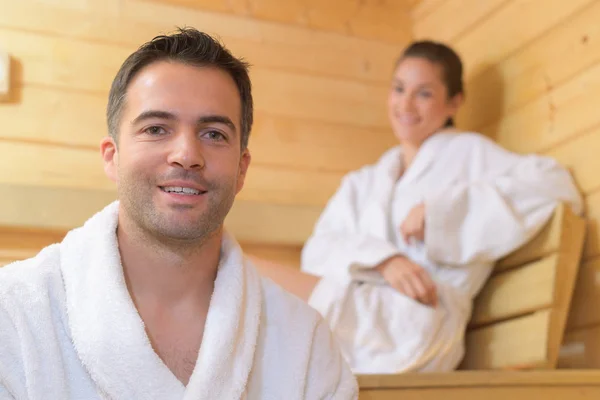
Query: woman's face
[[418, 104]]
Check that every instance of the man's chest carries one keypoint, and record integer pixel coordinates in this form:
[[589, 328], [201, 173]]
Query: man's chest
[[177, 345]]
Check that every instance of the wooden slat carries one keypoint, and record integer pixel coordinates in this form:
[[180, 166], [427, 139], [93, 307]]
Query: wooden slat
[[19, 244], [229, 27], [545, 243], [271, 224], [517, 292], [51, 166], [589, 391], [580, 156], [352, 17], [423, 8], [75, 168], [223, 6], [569, 259], [489, 379], [310, 52], [76, 65], [586, 297], [553, 118], [283, 255], [535, 69], [532, 20], [46, 116], [581, 349], [517, 343], [592, 242], [63, 209], [450, 18]]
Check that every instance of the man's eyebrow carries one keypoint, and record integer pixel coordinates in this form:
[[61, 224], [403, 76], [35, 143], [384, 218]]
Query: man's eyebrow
[[151, 114], [220, 119]]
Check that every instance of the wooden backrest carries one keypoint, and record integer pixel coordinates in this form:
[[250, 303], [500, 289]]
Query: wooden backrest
[[519, 317]]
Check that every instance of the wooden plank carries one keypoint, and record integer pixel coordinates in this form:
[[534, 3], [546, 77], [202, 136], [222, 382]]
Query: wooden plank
[[46, 115], [282, 255], [348, 58], [569, 259], [535, 69], [532, 20], [352, 17], [19, 244], [76, 168], [315, 145], [61, 62], [592, 242], [228, 27], [586, 297], [223, 6], [56, 209], [269, 224], [517, 343], [76, 65], [451, 18], [517, 292], [580, 156], [587, 392], [387, 21], [483, 379], [423, 8], [62, 167], [581, 349], [319, 98], [553, 118]]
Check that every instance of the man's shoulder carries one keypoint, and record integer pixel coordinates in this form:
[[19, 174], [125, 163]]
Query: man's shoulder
[[24, 281]]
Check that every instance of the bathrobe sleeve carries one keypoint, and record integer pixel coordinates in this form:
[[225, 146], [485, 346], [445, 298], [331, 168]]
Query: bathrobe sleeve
[[329, 376], [504, 202], [12, 380], [337, 248]]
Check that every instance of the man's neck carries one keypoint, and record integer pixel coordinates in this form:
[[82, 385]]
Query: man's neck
[[167, 273]]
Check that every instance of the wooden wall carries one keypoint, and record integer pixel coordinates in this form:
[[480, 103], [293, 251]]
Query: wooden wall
[[533, 84], [320, 75]]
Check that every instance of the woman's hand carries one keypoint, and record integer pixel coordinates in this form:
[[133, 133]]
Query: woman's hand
[[414, 224], [409, 279]]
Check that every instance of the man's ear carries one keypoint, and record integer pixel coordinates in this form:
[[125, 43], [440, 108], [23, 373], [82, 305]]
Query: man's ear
[[108, 148], [243, 168]]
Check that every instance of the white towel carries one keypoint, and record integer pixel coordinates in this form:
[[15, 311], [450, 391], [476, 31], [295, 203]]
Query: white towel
[[69, 330]]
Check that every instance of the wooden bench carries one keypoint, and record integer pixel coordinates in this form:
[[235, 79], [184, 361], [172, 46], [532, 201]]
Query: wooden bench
[[487, 385], [518, 323]]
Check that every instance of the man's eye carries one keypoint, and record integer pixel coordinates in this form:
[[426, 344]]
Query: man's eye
[[215, 135], [155, 130]]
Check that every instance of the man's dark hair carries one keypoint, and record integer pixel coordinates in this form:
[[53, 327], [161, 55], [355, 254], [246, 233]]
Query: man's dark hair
[[188, 46]]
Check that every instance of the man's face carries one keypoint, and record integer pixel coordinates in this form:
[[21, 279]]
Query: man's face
[[178, 164]]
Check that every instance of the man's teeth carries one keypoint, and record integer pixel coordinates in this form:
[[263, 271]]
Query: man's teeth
[[178, 189]]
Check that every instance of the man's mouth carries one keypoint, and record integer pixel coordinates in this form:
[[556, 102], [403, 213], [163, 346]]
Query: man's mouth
[[182, 190]]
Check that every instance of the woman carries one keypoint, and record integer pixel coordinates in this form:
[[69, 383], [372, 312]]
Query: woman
[[404, 246]]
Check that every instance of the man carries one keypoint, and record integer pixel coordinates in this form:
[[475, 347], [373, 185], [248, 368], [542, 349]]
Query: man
[[151, 299]]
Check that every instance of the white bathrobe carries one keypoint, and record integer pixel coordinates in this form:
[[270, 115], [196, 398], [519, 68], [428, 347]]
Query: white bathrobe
[[481, 203], [69, 330]]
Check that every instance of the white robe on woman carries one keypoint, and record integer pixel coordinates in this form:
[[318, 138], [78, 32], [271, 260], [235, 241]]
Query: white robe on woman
[[481, 203]]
